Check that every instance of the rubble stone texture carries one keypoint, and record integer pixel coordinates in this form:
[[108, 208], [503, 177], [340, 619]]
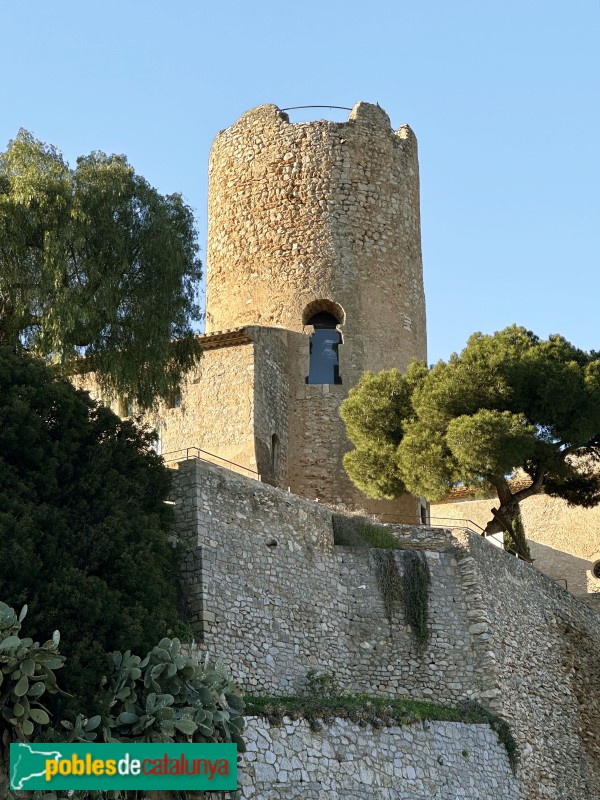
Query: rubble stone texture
[[319, 216], [415, 762], [301, 213], [275, 598]]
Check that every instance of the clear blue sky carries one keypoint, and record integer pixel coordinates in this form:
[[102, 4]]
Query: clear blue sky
[[503, 96]]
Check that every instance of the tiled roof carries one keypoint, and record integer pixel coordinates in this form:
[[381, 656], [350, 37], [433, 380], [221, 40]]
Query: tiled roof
[[466, 492], [225, 338]]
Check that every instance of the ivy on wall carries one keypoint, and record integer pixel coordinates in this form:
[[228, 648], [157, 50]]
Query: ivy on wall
[[416, 580], [408, 585]]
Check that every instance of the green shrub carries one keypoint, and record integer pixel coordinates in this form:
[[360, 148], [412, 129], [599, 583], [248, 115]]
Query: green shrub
[[84, 529], [416, 580], [360, 532], [389, 580], [321, 684]]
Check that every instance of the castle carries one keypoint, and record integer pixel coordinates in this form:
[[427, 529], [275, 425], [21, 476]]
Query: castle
[[314, 275]]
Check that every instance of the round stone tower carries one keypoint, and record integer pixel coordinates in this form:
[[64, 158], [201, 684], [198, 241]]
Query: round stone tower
[[314, 228], [302, 215]]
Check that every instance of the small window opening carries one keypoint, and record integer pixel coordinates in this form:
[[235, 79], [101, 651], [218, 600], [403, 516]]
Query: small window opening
[[174, 399], [274, 453], [423, 514], [596, 569], [125, 407], [324, 343]]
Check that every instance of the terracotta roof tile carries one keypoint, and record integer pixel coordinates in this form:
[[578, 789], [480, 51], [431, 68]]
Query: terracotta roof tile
[[464, 492], [224, 338]]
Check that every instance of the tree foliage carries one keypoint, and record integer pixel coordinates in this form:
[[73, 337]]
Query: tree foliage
[[83, 523], [508, 402], [95, 262]]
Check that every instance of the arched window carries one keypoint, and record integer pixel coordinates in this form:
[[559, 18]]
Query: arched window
[[318, 306], [324, 361]]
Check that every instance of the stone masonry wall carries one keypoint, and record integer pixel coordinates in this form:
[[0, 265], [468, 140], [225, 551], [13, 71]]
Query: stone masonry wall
[[217, 407], [319, 210], [275, 598], [278, 599], [240, 396], [442, 760], [318, 442], [546, 646], [271, 403]]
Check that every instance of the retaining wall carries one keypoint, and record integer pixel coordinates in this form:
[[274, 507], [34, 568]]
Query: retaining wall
[[274, 597]]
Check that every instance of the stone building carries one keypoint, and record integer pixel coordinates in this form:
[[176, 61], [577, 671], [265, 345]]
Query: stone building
[[314, 275], [564, 540]]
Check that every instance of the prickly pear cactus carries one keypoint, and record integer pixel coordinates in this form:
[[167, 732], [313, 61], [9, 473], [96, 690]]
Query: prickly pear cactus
[[165, 697], [26, 673], [169, 697]]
